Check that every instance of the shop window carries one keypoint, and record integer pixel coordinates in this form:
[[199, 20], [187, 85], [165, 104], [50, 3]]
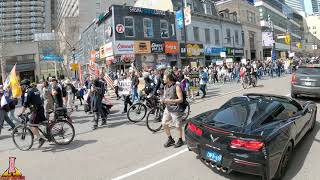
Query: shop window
[[164, 29], [148, 28], [216, 37], [236, 35], [207, 36], [228, 36], [129, 26]]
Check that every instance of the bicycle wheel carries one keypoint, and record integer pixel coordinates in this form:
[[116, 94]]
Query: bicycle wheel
[[62, 132], [245, 83], [22, 137], [186, 112], [137, 112], [154, 118]]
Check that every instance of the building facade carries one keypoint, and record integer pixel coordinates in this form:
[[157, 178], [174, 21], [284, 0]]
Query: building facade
[[127, 34], [249, 18], [278, 21], [313, 23], [297, 5], [315, 7], [19, 22]]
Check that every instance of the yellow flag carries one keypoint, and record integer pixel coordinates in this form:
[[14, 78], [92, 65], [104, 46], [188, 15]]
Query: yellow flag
[[14, 83]]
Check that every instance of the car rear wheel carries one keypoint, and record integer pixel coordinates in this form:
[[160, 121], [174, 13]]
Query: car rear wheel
[[284, 162], [293, 95]]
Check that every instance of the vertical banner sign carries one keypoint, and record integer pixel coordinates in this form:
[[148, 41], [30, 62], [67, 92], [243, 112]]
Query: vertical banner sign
[[179, 19], [187, 15]]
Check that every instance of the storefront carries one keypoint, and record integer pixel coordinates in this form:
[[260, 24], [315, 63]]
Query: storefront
[[123, 56], [194, 55], [212, 54]]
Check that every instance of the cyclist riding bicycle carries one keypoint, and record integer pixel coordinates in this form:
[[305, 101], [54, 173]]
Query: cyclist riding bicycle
[[33, 101]]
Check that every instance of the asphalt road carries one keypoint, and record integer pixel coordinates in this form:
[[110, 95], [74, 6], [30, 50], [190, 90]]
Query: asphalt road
[[123, 150]]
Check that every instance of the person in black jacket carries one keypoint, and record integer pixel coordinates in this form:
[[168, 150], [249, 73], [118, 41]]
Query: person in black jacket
[[34, 102], [96, 95]]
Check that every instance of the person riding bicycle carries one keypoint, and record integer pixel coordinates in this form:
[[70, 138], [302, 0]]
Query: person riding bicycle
[[33, 101]]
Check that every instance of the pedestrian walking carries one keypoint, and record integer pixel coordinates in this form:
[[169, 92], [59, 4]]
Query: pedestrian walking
[[47, 99], [126, 85], [96, 95], [134, 86], [203, 75], [116, 87], [172, 116]]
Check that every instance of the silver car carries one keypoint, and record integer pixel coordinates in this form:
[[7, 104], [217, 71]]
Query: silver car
[[306, 81]]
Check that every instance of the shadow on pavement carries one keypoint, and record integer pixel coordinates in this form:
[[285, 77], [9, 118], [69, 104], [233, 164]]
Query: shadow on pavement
[[300, 153], [2, 137], [73, 145]]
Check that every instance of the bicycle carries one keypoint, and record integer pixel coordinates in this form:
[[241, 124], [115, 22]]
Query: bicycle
[[140, 109], [55, 131], [248, 80], [154, 116]]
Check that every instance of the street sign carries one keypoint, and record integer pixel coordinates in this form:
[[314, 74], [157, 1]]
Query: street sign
[[120, 28], [52, 57]]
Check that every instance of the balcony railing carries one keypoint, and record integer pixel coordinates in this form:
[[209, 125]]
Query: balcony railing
[[24, 3], [23, 20], [24, 8], [24, 14]]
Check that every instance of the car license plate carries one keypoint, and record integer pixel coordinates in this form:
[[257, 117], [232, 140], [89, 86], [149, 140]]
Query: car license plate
[[214, 156], [308, 83]]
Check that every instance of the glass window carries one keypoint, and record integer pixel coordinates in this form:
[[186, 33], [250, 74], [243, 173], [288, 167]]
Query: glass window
[[129, 26], [236, 36], [207, 36], [147, 28], [196, 33], [308, 71], [228, 36], [207, 8], [216, 37], [164, 29]]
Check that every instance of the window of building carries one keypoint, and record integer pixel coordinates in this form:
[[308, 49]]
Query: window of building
[[207, 8], [315, 32], [228, 36], [236, 36], [251, 17], [147, 27], [129, 26], [216, 37], [164, 29], [314, 27], [207, 36], [196, 33]]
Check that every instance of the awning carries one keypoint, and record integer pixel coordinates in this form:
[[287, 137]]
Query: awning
[[22, 67]]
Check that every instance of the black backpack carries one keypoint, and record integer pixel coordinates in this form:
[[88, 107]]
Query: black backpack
[[64, 91]]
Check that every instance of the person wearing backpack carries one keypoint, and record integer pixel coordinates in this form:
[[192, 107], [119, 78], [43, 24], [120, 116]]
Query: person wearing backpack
[[203, 81], [172, 115]]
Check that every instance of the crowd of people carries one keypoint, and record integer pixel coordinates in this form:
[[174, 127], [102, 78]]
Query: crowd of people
[[172, 84]]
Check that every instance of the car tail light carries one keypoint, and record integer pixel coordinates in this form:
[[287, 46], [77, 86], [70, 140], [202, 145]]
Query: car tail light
[[294, 79], [193, 128], [246, 144]]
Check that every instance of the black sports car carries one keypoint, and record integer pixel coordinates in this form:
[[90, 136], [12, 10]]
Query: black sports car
[[253, 134]]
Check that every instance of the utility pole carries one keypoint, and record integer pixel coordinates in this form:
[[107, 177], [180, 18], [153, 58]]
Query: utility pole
[[234, 55], [2, 54], [184, 27]]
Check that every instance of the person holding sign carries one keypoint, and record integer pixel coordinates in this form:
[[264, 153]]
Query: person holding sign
[[125, 86]]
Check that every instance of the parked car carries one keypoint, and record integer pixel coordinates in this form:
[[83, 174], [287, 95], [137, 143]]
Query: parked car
[[306, 81], [254, 134]]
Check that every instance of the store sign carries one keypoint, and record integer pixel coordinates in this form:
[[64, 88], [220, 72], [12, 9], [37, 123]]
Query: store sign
[[106, 50], [267, 39], [145, 11], [157, 47], [187, 15], [93, 55], [142, 47], [123, 47], [193, 50], [213, 51], [230, 51], [171, 47]]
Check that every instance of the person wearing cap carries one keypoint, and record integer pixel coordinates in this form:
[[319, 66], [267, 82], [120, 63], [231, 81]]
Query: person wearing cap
[[34, 102]]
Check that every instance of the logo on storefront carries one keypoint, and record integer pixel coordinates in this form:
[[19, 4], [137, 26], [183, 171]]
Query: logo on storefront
[[157, 47], [12, 172], [171, 47], [120, 28], [124, 47], [142, 47], [146, 11]]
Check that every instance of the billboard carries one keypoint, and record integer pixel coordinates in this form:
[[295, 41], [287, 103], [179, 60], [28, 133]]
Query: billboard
[[267, 39]]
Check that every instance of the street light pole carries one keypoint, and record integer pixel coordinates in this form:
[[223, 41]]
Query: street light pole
[[184, 27], [234, 56]]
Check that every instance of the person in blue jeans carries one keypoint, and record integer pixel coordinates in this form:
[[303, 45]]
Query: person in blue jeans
[[134, 87], [4, 114], [203, 81]]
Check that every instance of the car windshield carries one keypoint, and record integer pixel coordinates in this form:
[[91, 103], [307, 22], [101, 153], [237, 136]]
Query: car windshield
[[309, 70], [241, 111]]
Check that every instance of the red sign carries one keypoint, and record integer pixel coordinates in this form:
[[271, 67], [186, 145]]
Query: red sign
[[171, 47], [120, 28]]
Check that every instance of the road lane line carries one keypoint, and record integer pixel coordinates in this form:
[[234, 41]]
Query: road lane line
[[150, 165]]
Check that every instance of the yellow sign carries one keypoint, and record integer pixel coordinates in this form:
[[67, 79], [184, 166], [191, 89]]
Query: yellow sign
[[74, 67], [287, 39], [142, 47], [299, 45]]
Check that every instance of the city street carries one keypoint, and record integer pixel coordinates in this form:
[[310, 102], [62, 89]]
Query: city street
[[123, 150]]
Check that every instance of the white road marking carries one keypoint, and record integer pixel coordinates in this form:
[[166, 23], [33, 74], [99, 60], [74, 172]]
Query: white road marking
[[150, 165]]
